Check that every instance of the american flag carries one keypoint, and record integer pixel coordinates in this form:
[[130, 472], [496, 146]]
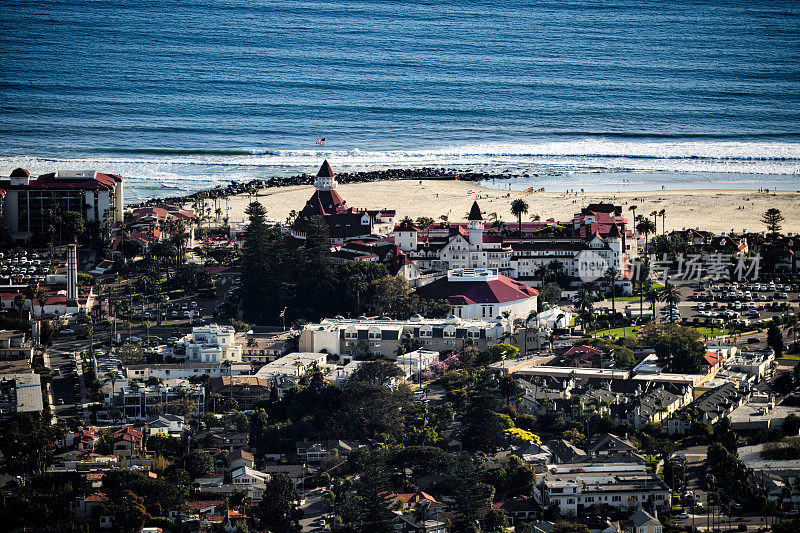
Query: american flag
[[321, 141]]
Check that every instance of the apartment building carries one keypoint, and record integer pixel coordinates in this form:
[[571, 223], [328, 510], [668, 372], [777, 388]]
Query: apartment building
[[383, 336], [594, 487]]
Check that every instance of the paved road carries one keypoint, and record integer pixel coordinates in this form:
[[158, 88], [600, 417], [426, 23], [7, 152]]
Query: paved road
[[313, 510]]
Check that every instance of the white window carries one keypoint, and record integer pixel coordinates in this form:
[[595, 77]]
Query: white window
[[426, 331], [374, 333], [449, 332]]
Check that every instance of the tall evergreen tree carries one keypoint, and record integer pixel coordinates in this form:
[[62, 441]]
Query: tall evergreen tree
[[278, 511], [316, 278], [374, 508], [255, 264]]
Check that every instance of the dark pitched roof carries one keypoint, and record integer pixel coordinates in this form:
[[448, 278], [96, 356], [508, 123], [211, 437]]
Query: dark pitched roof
[[325, 171], [20, 173], [475, 212]]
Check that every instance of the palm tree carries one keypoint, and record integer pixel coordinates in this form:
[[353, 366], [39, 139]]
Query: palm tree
[[584, 302], [519, 207], [43, 296], [643, 276], [542, 272], [19, 302], [653, 295], [330, 498], [654, 214], [356, 285], [555, 267], [663, 215], [646, 227], [611, 274], [671, 295], [633, 208], [111, 377]]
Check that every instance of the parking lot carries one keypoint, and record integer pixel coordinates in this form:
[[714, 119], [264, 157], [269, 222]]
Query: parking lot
[[749, 302], [25, 267]]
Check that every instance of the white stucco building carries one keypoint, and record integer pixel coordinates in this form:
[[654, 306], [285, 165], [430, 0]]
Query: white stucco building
[[212, 344], [483, 294]]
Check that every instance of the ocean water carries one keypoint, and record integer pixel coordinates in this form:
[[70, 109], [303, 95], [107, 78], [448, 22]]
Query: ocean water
[[178, 95]]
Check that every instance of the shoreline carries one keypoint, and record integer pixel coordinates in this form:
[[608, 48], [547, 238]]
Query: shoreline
[[716, 210]]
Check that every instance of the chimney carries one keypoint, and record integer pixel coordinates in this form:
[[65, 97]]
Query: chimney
[[72, 272]]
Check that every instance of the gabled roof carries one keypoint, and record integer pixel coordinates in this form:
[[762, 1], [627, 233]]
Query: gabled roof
[[610, 442], [640, 518], [475, 212]]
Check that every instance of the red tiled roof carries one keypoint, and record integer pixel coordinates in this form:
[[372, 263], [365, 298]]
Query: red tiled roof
[[99, 181], [411, 497], [713, 358], [503, 289], [582, 352], [198, 505], [241, 454]]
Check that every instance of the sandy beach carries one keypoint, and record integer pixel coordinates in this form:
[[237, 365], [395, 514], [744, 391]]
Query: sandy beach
[[715, 210]]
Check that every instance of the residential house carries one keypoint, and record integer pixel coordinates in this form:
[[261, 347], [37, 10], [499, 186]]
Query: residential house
[[262, 350], [608, 444], [641, 522], [580, 356], [294, 472], [212, 344], [167, 424], [239, 458], [411, 523], [252, 480], [127, 441], [711, 407], [87, 508], [317, 451]]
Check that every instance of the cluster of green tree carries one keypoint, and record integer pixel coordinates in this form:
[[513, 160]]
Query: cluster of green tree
[[365, 505], [44, 502], [677, 346], [305, 282], [27, 441], [365, 409]]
